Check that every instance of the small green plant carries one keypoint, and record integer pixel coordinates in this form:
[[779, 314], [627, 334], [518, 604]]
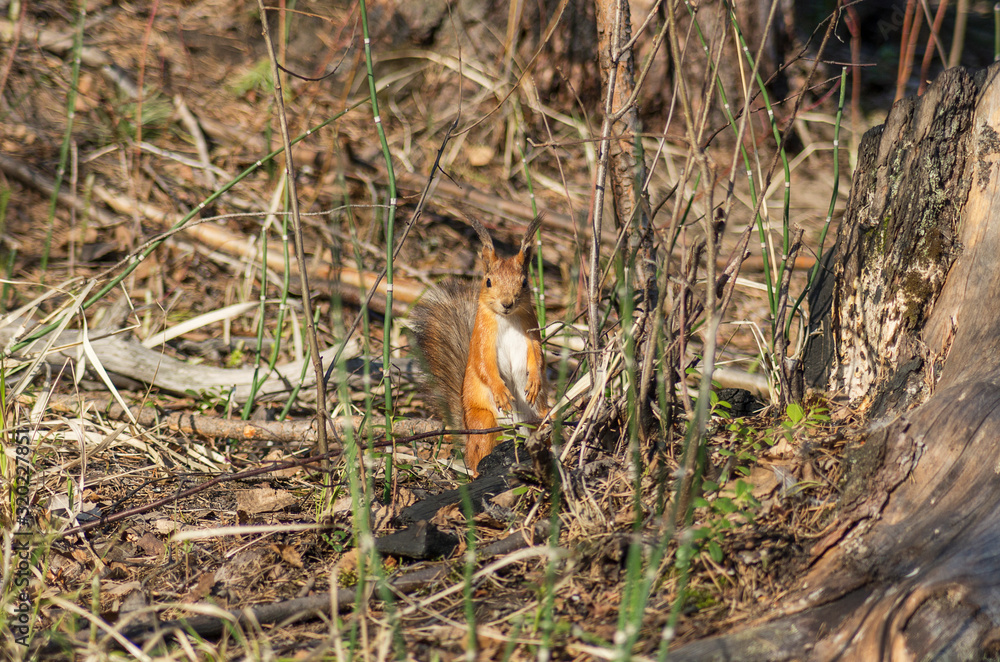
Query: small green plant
[[747, 442], [348, 578], [744, 448], [339, 541], [237, 357], [257, 78], [209, 399], [798, 420], [122, 124], [725, 513], [700, 599], [718, 407]]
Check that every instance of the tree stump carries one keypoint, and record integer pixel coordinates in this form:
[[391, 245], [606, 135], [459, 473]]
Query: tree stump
[[911, 567]]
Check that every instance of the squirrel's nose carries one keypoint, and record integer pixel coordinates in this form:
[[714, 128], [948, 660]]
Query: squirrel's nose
[[507, 306]]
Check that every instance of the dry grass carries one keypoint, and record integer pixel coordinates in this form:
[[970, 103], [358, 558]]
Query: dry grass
[[207, 56]]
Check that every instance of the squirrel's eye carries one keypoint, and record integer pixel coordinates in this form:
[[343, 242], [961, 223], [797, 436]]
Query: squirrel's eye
[[489, 283], [524, 284]]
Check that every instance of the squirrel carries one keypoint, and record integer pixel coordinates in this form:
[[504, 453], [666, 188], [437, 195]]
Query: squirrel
[[483, 347]]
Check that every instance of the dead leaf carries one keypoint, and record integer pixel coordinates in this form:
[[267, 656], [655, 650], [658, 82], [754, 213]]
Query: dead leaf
[[505, 499], [780, 450], [202, 587], [166, 526], [263, 500], [150, 544], [289, 553], [348, 563], [763, 480], [277, 456], [449, 517]]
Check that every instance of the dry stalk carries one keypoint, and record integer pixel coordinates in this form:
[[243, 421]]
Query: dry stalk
[[789, 369], [300, 254]]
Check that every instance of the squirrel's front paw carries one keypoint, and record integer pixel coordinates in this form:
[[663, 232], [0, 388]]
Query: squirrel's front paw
[[533, 387], [504, 400]]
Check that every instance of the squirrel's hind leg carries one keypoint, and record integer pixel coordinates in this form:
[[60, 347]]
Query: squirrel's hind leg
[[478, 446]]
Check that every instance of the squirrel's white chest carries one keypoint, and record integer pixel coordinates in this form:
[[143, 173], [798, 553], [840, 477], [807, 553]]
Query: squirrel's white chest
[[512, 362]]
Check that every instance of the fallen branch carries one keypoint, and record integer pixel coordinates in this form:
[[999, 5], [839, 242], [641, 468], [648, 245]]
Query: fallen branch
[[128, 358], [214, 427]]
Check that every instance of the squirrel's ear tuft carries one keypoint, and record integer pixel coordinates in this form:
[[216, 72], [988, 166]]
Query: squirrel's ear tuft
[[484, 234], [489, 256], [529, 234]]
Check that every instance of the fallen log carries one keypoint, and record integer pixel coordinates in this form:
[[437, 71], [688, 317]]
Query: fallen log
[[123, 357]]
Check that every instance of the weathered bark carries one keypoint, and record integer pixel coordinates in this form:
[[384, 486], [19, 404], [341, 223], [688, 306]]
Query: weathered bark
[[911, 568], [626, 167], [627, 174], [898, 242]]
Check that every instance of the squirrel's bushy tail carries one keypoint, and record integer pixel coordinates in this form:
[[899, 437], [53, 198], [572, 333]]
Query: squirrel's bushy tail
[[442, 323]]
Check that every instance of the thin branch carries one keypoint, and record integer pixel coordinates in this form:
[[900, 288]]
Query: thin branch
[[300, 254]]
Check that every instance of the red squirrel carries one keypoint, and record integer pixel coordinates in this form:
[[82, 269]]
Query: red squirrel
[[483, 347]]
